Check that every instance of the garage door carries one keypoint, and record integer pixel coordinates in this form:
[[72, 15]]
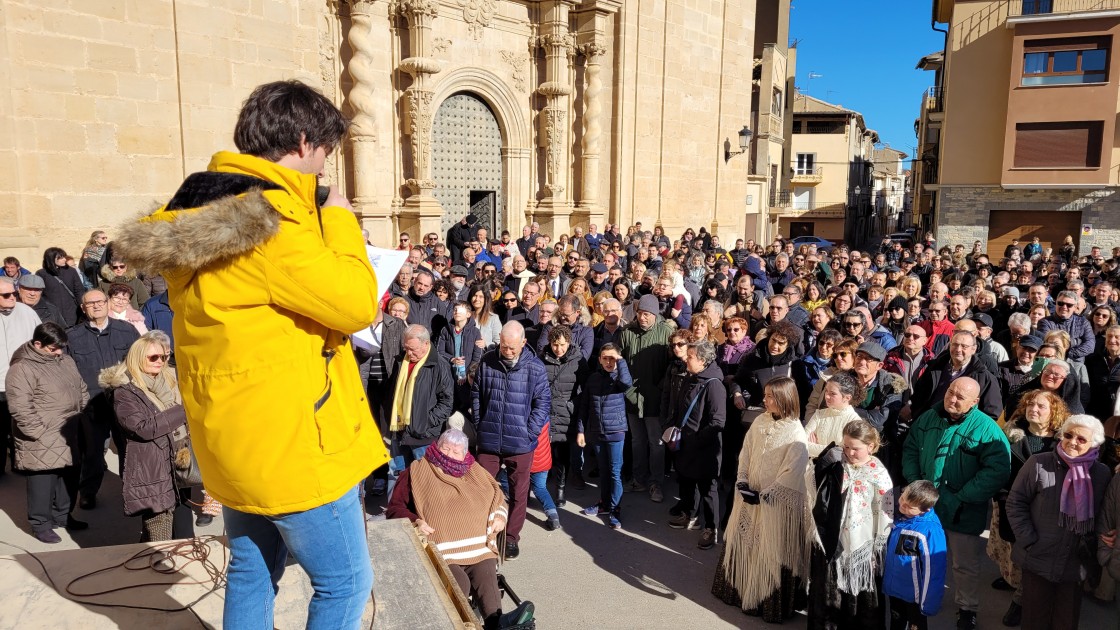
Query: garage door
[[1051, 228]]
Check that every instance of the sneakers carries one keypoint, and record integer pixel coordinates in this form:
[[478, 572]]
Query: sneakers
[[966, 619], [521, 615], [202, 520], [679, 521], [48, 536], [512, 550], [634, 486], [1014, 615], [553, 523], [694, 524], [655, 493], [594, 510], [613, 521], [707, 539]]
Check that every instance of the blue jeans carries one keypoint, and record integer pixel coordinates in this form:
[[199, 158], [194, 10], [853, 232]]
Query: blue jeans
[[328, 542], [539, 481], [402, 456], [609, 455]]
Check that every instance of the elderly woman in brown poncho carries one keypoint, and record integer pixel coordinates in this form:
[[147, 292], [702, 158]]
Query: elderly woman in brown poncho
[[769, 537], [460, 508]]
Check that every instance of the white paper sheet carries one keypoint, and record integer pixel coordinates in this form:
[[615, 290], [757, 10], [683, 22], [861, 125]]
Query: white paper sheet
[[387, 264]]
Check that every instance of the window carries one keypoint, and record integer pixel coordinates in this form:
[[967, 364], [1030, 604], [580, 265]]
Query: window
[[776, 103], [824, 126], [1058, 144], [1066, 61], [805, 163]]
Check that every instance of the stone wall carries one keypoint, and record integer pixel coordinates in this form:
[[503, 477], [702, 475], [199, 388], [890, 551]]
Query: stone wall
[[964, 211], [109, 103]]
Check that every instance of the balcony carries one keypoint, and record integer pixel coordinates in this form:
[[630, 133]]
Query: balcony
[[935, 99], [807, 175], [1059, 9]]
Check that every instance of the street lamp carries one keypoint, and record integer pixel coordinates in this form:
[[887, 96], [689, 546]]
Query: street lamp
[[744, 141]]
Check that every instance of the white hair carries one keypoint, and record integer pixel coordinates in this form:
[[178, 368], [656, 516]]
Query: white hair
[[454, 437], [1085, 421]]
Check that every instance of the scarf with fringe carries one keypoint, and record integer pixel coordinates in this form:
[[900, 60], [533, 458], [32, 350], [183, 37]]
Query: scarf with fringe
[[778, 532], [864, 527], [1076, 512], [403, 393]]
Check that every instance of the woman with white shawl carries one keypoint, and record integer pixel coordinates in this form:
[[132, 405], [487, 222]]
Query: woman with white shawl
[[770, 533], [854, 510]]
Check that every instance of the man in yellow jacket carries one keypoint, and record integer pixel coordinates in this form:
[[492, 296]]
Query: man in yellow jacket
[[266, 285]]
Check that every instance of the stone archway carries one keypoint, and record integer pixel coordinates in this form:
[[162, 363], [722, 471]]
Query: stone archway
[[511, 111], [467, 162]]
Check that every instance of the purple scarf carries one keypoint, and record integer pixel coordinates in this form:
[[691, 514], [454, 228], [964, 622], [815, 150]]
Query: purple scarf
[[1077, 492], [732, 354], [450, 466]]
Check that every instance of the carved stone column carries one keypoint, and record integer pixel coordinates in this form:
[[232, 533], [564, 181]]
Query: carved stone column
[[417, 111], [363, 100], [593, 36], [555, 207]]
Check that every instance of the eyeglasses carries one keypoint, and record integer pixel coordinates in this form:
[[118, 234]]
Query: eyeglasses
[[844, 354], [679, 344], [96, 303], [912, 336], [118, 266], [1056, 375], [404, 240], [1066, 304], [852, 324], [152, 358], [1073, 437], [510, 300]]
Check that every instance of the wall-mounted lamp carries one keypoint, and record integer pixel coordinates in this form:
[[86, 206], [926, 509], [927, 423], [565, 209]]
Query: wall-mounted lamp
[[744, 142]]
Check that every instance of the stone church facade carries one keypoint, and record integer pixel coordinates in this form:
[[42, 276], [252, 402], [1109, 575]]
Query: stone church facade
[[567, 112]]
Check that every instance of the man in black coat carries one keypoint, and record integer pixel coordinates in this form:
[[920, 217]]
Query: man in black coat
[[96, 344], [459, 235], [415, 422], [960, 360], [424, 308]]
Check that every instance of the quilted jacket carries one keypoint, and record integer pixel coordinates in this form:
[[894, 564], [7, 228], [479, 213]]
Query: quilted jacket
[[602, 407], [564, 374], [46, 396], [510, 405]]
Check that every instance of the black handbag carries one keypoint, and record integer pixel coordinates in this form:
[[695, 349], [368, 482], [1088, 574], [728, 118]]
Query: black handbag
[[184, 465]]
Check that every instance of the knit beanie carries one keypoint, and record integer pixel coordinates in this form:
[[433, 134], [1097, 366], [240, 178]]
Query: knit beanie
[[897, 302]]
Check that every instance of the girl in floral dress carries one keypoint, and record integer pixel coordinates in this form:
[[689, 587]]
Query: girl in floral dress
[[853, 513]]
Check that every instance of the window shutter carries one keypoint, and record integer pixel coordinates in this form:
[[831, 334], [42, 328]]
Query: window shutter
[[1058, 144]]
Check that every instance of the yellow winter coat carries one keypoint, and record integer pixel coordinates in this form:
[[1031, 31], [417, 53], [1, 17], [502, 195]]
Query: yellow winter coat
[[263, 300]]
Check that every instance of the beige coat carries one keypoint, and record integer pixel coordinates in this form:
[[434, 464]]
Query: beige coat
[[46, 396]]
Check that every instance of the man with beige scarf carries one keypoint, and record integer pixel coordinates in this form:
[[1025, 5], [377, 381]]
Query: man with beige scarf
[[422, 401]]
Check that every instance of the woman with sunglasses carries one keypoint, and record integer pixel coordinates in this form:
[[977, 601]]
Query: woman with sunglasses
[[64, 286], [117, 272], [1101, 318], [1052, 509], [145, 395]]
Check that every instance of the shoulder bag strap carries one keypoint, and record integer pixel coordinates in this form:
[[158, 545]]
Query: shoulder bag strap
[[691, 405]]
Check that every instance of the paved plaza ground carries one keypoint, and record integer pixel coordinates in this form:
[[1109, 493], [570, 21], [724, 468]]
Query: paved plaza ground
[[646, 576]]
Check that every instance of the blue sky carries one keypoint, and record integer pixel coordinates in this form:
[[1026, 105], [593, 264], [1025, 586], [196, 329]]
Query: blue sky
[[865, 52]]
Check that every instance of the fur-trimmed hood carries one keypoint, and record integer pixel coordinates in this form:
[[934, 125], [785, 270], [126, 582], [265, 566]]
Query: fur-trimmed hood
[[213, 217], [890, 382], [113, 377]]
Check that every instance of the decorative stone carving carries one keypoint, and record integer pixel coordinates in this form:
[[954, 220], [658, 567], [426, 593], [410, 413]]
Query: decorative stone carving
[[363, 97], [516, 63], [477, 14], [553, 119], [565, 42], [419, 106], [408, 8], [592, 126], [441, 44]]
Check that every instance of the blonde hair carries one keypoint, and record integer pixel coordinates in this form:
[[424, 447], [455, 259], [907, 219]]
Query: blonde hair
[[134, 361], [1058, 338]]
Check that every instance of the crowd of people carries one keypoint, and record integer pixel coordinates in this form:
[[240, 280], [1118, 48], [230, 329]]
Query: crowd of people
[[843, 424]]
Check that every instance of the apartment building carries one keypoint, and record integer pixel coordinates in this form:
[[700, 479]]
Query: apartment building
[[830, 170], [1022, 123], [888, 189]]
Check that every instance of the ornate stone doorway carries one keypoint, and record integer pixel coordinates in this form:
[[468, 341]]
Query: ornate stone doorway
[[467, 162]]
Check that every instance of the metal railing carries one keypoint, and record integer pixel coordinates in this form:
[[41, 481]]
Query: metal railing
[[935, 98], [1048, 7]]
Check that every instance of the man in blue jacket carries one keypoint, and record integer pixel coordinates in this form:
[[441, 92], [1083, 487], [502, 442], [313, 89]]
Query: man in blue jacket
[[511, 400]]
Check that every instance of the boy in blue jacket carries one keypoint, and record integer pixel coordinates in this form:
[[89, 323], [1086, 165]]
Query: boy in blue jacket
[[914, 576]]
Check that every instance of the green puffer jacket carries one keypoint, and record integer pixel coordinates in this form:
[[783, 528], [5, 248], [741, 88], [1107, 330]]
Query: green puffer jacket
[[968, 459], [647, 354]]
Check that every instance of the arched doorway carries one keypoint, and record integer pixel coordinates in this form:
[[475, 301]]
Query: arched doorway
[[467, 162]]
